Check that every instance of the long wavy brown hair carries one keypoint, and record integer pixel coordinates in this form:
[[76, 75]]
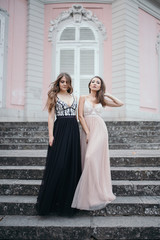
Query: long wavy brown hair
[[100, 94], [54, 89]]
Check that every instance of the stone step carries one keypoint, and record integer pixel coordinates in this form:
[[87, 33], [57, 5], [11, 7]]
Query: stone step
[[79, 228], [11, 160], [120, 188], [118, 173], [122, 139], [23, 146], [135, 173], [121, 158], [116, 146], [122, 135], [121, 132], [26, 161], [114, 124], [122, 206]]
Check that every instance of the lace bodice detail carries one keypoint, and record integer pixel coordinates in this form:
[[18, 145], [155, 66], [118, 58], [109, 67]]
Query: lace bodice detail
[[92, 110], [62, 108]]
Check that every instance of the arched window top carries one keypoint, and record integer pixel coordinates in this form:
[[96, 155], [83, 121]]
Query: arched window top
[[77, 15], [86, 34], [78, 33], [69, 33]]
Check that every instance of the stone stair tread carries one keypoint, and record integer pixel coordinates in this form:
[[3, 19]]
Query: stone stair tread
[[17, 199], [113, 153], [135, 168], [118, 200], [12, 167], [19, 181], [127, 182], [114, 182], [80, 221], [21, 167]]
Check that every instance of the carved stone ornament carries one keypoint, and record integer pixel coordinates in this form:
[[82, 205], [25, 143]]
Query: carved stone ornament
[[158, 43], [78, 14]]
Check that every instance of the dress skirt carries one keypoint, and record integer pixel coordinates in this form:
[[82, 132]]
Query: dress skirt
[[94, 189], [62, 170]]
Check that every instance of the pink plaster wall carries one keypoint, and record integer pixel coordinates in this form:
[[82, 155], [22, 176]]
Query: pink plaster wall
[[17, 10], [104, 14], [149, 76]]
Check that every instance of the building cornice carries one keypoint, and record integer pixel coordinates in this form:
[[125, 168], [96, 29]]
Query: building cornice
[[151, 7], [78, 1]]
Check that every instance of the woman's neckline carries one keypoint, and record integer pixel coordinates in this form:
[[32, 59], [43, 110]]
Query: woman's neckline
[[91, 103], [65, 102]]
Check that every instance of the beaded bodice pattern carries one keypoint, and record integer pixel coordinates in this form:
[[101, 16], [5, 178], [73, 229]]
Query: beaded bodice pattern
[[62, 108]]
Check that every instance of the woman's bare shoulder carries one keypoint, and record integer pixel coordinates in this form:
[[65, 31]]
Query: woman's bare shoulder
[[83, 97]]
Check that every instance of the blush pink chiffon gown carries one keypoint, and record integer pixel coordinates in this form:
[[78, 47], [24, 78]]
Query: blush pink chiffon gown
[[94, 189]]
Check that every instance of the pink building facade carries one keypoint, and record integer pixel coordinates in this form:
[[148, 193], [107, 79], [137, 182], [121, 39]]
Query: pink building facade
[[118, 40]]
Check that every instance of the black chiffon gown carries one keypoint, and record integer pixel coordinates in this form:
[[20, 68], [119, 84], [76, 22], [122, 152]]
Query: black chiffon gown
[[63, 164]]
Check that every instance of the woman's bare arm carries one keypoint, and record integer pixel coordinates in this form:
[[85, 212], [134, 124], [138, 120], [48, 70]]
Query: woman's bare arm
[[51, 118], [81, 117], [115, 101]]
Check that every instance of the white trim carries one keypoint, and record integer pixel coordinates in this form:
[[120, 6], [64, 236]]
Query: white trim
[[3, 55], [34, 62], [158, 53]]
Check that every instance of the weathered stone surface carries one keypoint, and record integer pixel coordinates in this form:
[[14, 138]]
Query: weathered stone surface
[[124, 135], [120, 188], [133, 215], [115, 161], [118, 173], [79, 228], [136, 188], [129, 206], [32, 172], [135, 173], [135, 161], [22, 161]]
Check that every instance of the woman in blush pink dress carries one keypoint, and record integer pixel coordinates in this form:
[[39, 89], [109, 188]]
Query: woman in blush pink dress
[[94, 189]]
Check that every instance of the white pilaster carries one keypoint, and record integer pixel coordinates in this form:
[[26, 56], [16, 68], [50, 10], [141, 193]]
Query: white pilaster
[[125, 57], [34, 71]]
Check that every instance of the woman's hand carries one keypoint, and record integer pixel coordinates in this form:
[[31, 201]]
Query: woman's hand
[[51, 140], [87, 137]]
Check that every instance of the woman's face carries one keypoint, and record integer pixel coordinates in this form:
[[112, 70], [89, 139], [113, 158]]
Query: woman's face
[[95, 84], [63, 84]]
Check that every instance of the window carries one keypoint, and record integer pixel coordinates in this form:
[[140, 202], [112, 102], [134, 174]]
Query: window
[[77, 54]]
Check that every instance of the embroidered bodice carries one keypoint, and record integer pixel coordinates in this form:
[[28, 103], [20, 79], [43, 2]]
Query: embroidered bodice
[[62, 108], [89, 109]]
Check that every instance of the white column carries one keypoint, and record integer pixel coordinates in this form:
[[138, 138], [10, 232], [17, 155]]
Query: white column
[[125, 58], [34, 71], [3, 57]]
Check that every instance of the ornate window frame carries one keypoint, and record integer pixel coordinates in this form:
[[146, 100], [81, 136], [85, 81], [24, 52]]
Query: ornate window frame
[[75, 16]]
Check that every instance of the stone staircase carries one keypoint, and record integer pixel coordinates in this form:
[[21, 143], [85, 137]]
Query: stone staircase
[[122, 135], [135, 168]]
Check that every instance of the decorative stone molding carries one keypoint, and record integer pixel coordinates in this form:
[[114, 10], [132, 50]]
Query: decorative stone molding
[[4, 11], [158, 43], [77, 1], [78, 14]]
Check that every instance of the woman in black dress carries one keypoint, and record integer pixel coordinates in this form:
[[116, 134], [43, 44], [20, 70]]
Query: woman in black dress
[[63, 163]]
